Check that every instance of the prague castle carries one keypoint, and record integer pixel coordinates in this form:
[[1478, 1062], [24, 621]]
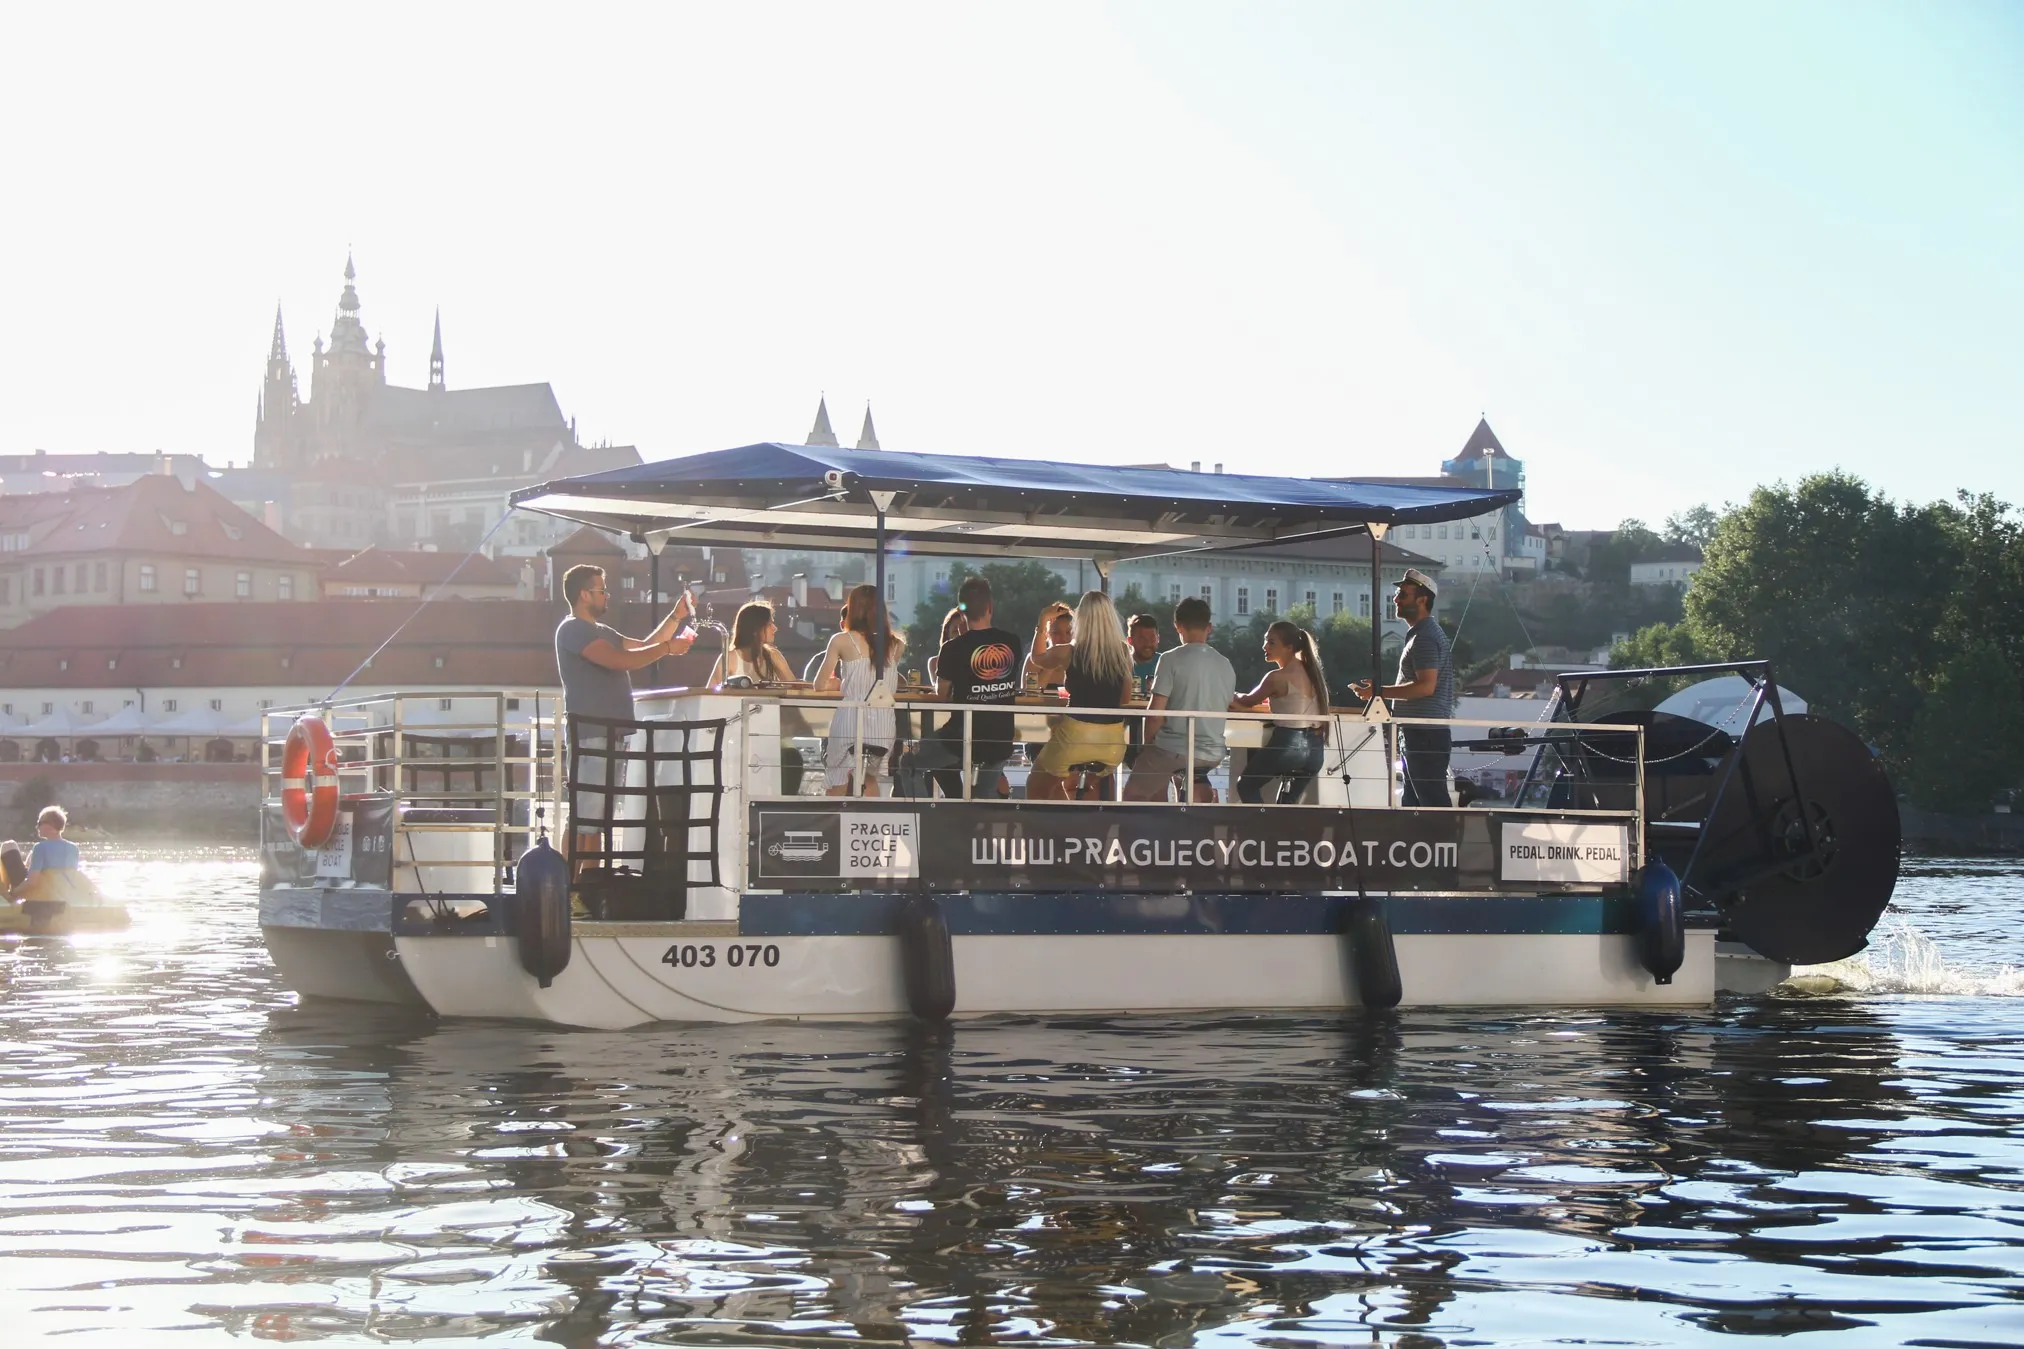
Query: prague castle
[[363, 461]]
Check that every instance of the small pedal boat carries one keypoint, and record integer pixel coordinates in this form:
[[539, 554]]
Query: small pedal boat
[[55, 903]]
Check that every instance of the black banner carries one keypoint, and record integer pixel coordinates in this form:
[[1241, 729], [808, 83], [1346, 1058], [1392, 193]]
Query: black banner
[[359, 849], [1030, 846]]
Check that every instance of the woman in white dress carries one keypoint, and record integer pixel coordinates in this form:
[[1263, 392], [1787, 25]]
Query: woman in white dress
[[867, 703]]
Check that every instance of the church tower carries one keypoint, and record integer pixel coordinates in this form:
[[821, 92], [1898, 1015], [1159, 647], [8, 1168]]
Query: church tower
[[273, 429], [347, 375], [436, 384]]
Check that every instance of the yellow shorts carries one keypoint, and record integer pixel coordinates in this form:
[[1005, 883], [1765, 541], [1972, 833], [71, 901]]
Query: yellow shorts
[[1073, 742]]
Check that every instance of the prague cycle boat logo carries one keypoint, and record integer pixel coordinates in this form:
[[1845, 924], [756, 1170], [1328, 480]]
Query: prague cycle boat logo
[[801, 845]]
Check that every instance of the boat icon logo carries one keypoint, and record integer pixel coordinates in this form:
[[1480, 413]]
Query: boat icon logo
[[801, 845]]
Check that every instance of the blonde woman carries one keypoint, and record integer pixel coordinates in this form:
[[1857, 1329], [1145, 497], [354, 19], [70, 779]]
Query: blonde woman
[[1096, 667], [868, 688]]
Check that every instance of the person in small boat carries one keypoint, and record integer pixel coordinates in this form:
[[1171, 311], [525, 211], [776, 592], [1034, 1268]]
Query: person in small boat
[[1425, 689], [1096, 668], [52, 851], [1193, 677], [1293, 685], [976, 665], [596, 663], [753, 655], [868, 687]]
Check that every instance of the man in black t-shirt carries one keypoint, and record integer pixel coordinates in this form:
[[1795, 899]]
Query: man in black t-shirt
[[981, 666]]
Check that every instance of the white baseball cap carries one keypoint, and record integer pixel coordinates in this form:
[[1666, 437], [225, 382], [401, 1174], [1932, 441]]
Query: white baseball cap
[[1420, 578]]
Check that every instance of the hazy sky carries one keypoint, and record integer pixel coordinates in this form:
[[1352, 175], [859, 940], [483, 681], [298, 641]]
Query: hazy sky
[[1671, 252]]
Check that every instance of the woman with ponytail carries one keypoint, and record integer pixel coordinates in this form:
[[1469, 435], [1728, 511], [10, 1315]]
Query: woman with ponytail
[[1293, 685]]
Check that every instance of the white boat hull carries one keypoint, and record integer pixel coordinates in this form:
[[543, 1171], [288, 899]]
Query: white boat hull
[[617, 978]]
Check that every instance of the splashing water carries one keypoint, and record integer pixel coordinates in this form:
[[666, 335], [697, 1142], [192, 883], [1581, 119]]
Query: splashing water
[[1902, 959]]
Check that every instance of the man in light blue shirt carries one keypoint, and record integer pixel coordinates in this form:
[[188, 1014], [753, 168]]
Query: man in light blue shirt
[[1193, 677], [53, 852]]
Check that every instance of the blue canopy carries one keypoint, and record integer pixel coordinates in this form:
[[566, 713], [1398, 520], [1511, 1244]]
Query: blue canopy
[[817, 497]]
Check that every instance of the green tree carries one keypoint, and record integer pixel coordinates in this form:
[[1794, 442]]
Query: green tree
[[1966, 735], [1609, 560], [1695, 525], [1343, 643], [1841, 590], [1019, 591]]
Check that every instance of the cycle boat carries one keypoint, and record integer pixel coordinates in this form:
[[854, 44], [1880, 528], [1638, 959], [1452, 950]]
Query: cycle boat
[[1649, 859]]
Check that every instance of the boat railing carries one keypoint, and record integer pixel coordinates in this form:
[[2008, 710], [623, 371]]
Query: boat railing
[[470, 776], [1360, 754]]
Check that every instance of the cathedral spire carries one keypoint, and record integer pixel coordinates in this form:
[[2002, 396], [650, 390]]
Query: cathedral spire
[[820, 434], [867, 439], [278, 350], [436, 383]]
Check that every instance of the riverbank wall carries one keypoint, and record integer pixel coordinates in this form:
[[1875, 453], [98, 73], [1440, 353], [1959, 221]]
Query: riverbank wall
[[1928, 831], [204, 802]]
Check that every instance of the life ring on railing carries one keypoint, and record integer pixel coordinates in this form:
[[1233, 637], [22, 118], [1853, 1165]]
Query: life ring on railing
[[309, 782]]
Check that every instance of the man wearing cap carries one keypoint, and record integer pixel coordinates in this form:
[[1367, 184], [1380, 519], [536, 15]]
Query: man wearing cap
[[1426, 688]]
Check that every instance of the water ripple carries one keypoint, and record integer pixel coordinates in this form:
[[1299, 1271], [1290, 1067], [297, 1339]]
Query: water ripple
[[187, 1155]]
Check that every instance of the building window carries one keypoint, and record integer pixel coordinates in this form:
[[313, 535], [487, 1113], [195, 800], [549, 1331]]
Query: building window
[[1362, 606], [1490, 532], [86, 706], [112, 662], [1243, 600], [266, 703], [1312, 602], [242, 585], [512, 704], [1271, 599], [147, 578], [1174, 593], [56, 580], [217, 704], [284, 586], [1335, 603], [168, 704], [1444, 531], [1208, 593], [81, 581], [6, 590], [443, 704], [48, 708], [98, 577]]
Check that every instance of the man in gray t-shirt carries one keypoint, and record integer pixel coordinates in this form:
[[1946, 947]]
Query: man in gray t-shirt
[[596, 662], [1426, 688], [1193, 677]]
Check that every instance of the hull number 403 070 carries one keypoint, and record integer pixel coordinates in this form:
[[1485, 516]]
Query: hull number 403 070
[[703, 955]]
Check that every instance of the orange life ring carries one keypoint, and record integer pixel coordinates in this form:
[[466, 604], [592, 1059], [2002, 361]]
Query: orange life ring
[[309, 782]]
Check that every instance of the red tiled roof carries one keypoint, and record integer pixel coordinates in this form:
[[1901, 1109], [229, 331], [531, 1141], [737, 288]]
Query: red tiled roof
[[386, 565], [480, 643], [143, 516]]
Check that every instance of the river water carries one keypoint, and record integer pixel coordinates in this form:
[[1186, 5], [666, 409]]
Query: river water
[[189, 1158]]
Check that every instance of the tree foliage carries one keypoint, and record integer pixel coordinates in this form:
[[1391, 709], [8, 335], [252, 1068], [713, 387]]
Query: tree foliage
[[1694, 525], [1019, 591], [1905, 622]]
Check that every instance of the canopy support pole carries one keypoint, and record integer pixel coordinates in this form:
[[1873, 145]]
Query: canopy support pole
[[882, 620], [1104, 567], [1377, 533]]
